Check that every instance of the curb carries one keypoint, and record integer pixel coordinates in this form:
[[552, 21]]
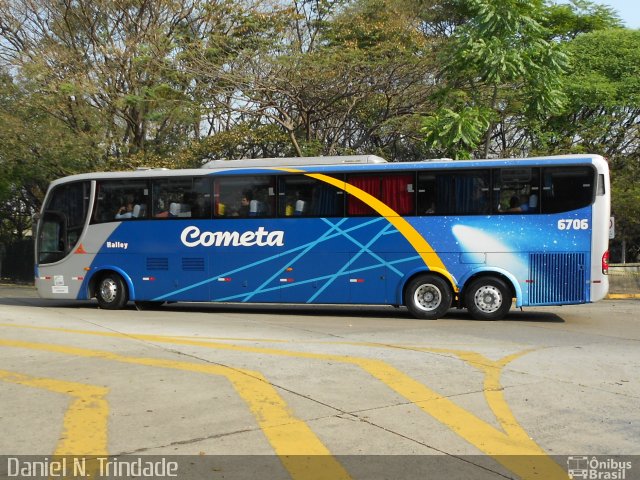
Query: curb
[[622, 296]]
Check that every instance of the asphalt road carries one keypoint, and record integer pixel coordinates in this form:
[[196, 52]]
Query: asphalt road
[[318, 392]]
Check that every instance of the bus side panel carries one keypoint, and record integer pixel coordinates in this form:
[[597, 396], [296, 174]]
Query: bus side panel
[[547, 255], [374, 248], [318, 278], [245, 275], [183, 274]]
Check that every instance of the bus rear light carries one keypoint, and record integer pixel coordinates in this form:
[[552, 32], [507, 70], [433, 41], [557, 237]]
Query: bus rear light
[[605, 263]]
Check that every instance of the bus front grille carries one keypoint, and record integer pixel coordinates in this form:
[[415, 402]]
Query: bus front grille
[[557, 278]]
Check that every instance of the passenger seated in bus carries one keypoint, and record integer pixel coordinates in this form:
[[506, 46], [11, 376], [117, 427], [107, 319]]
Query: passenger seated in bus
[[528, 203], [296, 205], [245, 202], [514, 205], [126, 210], [523, 204]]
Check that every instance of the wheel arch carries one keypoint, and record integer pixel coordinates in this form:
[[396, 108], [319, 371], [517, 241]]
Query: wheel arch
[[101, 271], [502, 274], [402, 286]]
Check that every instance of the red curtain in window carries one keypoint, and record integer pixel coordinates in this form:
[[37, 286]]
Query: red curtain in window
[[371, 185], [396, 194]]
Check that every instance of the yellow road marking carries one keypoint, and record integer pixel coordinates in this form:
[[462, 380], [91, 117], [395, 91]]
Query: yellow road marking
[[512, 448], [85, 421], [299, 449]]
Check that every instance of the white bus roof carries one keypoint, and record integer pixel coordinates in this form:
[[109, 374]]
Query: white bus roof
[[294, 161]]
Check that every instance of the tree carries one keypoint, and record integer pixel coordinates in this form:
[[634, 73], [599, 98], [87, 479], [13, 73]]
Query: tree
[[566, 21], [34, 148], [603, 116], [499, 65], [335, 79]]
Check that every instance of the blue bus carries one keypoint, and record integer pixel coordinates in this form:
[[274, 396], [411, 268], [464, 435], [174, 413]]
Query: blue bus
[[428, 235]]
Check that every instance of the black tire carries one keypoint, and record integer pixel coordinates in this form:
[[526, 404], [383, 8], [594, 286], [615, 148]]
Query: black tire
[[112, 292], [488, 298], [428, 297], [148, 305]]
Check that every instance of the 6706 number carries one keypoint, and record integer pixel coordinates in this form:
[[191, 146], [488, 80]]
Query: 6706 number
[[573, 224]]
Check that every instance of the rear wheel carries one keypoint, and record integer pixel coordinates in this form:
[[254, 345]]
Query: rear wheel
[[488, 298], [111, 292], [428, 297]]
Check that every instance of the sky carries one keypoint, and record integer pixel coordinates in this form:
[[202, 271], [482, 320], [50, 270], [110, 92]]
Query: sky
[[628, 11]]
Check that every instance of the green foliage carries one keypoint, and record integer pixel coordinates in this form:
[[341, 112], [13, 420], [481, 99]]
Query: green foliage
[[456, 134], [568, 20], [606, 69], [499, 60]]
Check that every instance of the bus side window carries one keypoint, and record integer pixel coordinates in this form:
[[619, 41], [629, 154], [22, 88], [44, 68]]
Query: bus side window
[[233, 196], [295, 196], [121, 200], [516, 190], [181, 197], [567, 188], [395, 190]]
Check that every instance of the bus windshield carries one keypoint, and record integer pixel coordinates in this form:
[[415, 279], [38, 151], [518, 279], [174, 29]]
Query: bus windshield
[[63, 219]]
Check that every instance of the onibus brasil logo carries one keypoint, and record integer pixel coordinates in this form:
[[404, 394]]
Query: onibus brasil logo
[[192, 236], [594, 468]]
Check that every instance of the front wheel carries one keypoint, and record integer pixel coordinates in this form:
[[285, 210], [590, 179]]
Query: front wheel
[[488, 298], [428, 297], [112, 293]]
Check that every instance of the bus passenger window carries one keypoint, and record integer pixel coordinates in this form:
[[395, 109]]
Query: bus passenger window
[[252, 196], [295, 196], [567, 188], [302, 196], [516, 190], [181, 198], [454, 192], [121, 200], [395, 190]]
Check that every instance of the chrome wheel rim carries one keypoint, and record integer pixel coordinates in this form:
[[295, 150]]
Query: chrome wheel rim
[[108, 290], [427, 297], [488, 299]]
